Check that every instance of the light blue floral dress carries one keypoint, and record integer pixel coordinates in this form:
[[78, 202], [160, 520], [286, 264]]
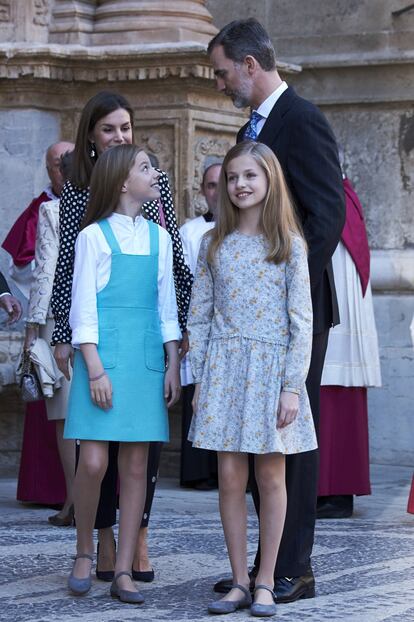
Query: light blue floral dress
[[250, 327]]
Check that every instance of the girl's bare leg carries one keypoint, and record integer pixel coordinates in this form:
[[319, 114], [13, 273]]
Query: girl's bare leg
[[92, 465], [67, 454], [270, 478], [132, 468], [233, 472]]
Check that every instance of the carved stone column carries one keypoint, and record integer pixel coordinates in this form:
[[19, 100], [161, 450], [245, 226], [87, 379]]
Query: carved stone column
[[72, 21], [152, 21]]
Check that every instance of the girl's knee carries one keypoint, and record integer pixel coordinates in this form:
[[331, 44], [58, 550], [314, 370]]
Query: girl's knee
[[94, 466], [270, 479], [232, 481], [134, 464]]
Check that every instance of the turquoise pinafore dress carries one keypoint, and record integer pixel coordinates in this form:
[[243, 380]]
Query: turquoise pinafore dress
[[132, 353]]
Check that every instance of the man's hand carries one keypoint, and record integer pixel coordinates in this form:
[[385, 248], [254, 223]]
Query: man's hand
[[63, 354], [288, 408], [12, 307]]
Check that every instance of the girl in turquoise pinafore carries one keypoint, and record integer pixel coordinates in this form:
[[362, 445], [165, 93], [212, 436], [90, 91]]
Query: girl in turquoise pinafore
[[124, 326]]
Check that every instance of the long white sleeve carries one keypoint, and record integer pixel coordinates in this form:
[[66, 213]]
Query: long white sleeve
[[83, 316]]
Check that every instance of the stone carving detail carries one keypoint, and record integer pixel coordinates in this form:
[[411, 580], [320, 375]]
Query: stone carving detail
[[205, 147], [41, 12], [5, 10], [54, 69], [159, 142]]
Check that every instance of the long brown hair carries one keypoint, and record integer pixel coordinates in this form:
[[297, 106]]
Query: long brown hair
[[278, 219], [108, 176], [100, 105]]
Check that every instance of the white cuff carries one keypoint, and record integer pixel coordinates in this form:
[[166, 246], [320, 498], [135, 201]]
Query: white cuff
[[84, 335], [170, 332]]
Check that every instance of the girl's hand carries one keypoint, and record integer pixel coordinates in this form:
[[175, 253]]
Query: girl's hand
[[196, 395], [31, 334], [63, 354], [172, 385], [184, 345], [288, 408], [101, 392]]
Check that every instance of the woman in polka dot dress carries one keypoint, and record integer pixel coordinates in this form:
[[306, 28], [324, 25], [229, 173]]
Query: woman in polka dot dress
[[107, 121]]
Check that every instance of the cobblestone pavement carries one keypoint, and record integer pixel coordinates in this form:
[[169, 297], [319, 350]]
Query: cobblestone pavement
[[364, 566]]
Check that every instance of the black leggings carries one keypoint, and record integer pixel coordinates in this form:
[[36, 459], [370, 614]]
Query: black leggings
[[106, 512]]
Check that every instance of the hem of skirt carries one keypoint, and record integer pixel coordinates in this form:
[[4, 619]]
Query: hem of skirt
[[275, 450], [153, 439]]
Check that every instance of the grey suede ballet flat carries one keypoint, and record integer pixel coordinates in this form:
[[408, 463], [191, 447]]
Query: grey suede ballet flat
[[125, 596], [230, 606], [263, 611], [79, 587]]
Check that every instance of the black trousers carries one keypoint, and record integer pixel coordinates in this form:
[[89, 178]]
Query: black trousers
[[301, 484], [195, 464], [106, 512]]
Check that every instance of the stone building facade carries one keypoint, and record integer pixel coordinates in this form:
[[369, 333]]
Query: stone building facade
[[356, 63]]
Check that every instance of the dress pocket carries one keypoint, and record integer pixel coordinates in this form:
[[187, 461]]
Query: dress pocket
[[108, 347], [154, 351]]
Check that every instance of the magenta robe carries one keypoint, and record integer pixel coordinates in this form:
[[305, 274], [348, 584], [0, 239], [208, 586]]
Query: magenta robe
[[41, 478], [343, 432]]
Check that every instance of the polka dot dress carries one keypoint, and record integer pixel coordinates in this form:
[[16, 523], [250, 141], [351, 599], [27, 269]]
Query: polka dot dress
[[72, 208]]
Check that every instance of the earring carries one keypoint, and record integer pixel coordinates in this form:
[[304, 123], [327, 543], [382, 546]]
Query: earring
[[92, 151]]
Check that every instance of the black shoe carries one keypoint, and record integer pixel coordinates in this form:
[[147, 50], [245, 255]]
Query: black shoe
[[224, 585], [335, 506], [289, 589], [146, 576], [103, 575]]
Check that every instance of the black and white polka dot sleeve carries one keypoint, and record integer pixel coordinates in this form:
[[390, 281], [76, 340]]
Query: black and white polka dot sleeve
[[72, 207], [183, 278]]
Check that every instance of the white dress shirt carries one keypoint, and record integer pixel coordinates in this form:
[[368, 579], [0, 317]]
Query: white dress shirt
[[265, 107], [93, 268]]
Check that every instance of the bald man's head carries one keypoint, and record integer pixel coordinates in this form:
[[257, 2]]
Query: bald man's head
[[53, 155]]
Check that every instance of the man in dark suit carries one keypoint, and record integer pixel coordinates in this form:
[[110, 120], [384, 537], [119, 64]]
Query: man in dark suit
[[8, 302], [244, 63]]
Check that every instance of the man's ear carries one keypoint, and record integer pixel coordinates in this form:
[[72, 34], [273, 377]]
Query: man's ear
[[251, 64]]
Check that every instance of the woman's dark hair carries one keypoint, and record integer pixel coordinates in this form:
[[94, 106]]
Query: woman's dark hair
[[108, 177], [96, 108], [246, 37]]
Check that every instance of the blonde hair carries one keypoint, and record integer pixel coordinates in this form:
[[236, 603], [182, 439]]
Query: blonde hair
[[108, 175], [278, 221]]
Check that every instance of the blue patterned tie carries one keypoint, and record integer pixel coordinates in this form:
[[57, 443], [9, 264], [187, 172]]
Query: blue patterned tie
[[251, 130]]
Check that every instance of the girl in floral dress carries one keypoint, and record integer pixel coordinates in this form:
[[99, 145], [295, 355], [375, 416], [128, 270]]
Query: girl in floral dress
[[250, 327]]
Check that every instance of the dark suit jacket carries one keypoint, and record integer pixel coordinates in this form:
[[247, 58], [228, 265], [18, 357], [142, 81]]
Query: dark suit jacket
[[300, 136], [3, 285]]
